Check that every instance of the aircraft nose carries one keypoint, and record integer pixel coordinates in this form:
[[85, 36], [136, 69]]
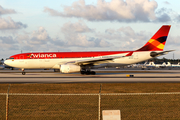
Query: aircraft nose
[[6, 62]]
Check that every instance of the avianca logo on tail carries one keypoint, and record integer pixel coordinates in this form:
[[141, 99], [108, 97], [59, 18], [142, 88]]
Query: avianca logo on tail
[[158, 40], [156, 43], [41, 55]]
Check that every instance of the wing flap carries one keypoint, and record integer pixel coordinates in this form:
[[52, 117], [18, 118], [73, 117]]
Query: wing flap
[[97, 61]]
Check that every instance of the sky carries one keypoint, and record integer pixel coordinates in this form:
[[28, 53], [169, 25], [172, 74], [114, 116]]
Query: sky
[[85, 25]]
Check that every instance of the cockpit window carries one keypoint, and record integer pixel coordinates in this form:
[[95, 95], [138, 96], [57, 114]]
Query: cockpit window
[[9, 58]]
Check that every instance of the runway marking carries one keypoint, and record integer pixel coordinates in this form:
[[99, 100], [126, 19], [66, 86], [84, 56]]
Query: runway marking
[[74, 77]]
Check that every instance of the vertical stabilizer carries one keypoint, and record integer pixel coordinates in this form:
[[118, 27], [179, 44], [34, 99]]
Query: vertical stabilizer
[[158, 41]]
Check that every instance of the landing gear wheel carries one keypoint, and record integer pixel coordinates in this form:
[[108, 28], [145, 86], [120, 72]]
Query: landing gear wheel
[[93, 73], [88, 72], [23, 73], [83, 72]]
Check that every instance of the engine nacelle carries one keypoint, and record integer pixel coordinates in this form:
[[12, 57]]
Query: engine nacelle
[[69, 68]]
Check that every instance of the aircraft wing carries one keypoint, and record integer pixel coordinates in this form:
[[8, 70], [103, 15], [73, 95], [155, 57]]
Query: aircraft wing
[[96, 61], [100, 60]]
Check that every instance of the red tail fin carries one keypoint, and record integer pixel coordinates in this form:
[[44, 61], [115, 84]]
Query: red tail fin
[[158, 41]]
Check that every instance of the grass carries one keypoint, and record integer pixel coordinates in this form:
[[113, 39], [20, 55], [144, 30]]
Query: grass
[[140, 87], [78, 107], [4, 88], [154, 107], [53, 107], [2, 107], [91, 88], [55, 88]]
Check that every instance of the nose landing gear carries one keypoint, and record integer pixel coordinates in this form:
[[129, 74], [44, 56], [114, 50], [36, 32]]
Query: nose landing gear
[[23, 73]]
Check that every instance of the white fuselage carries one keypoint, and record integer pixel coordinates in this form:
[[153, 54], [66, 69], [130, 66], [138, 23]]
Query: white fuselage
[[56, 62]]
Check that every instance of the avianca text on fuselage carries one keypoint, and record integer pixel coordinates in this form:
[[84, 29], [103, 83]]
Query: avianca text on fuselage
[[41, 55]]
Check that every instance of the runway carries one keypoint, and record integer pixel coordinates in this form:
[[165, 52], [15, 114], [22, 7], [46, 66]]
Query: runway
[[101, 77]]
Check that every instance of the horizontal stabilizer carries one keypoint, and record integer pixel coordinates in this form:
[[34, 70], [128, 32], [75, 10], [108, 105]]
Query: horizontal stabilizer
[[156, 54]]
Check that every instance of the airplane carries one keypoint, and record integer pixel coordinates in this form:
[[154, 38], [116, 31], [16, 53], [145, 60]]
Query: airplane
[[83, 62], [1, 64], [1, 61], [168, 64], [153, 65], [176, 65], [150, 65]]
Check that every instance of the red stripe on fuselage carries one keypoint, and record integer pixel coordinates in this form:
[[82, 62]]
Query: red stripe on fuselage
[[46, 55]]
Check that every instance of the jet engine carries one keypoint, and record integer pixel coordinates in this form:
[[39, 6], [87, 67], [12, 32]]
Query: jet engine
[[69, 68]]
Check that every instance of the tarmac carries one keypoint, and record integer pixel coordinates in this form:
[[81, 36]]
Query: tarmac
[[102, 76]]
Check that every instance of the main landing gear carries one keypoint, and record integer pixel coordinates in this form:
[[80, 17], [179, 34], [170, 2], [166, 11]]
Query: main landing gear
[[87, 72], [23, 73]]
